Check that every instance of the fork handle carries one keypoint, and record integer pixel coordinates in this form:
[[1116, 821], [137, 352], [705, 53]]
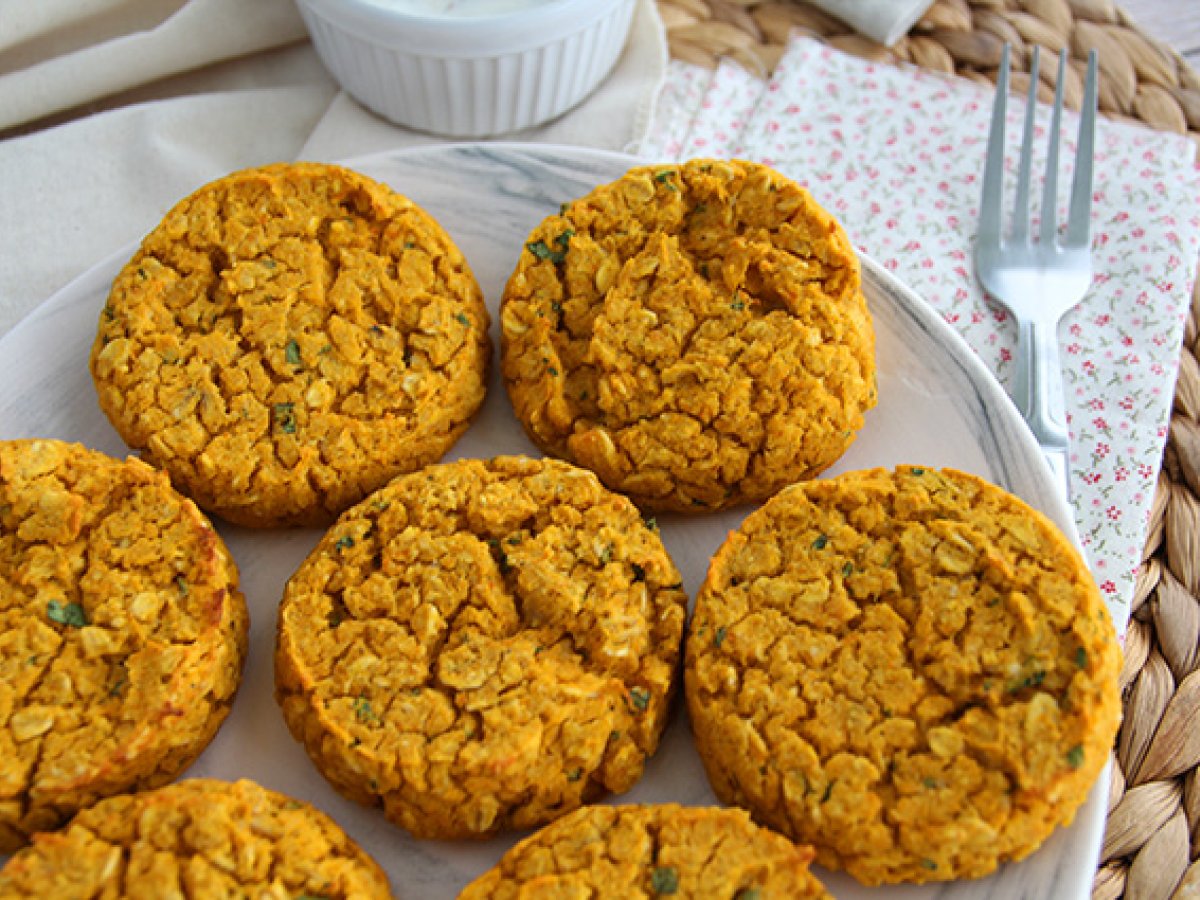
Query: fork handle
[[1037, 392], [1058, 460]]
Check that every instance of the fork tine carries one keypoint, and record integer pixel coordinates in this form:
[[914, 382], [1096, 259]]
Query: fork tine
[[1050, 189], [1079, 220], [1020, 228], [993, 169]]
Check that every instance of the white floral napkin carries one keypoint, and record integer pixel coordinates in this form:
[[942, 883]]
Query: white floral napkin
[[897, 154]]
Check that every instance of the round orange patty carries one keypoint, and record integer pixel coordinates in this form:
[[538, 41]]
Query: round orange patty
[[696, 334], [288, 339], [122, 632], [913, 671], [197, 838], [482, 645], [702, 853]]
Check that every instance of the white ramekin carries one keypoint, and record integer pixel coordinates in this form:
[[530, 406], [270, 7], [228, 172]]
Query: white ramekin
[[469, 77]]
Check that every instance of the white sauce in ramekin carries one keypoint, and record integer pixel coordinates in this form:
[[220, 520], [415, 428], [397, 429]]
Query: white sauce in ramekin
[[459, 9]]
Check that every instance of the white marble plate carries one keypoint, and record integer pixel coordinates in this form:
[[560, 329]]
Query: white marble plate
[[938, 406]]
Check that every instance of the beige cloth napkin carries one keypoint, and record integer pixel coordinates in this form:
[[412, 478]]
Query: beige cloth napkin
[[884, 20], [77, 191], [58, 54]]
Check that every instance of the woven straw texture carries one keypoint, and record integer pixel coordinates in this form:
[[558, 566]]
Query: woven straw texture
[[1152, 843]]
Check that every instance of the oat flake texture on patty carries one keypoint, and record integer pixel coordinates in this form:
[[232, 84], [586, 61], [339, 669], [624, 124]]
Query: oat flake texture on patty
[[696, 334], [197, 838], [482, 645], [288, 339], [912, 671], [123, 632]]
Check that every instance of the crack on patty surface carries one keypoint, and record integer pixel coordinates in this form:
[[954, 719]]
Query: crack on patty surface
[[120, 609], [482, 645], [290, 337], [695, 334], [912, 671]]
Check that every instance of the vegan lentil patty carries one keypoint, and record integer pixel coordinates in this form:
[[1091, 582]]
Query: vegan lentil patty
[[482, 645], [913, 671], [696, 334], [702, 853], [288, 339], [122, 632], [197, 838]]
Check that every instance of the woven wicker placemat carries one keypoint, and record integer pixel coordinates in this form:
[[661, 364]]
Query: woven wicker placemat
[[1153, 836]]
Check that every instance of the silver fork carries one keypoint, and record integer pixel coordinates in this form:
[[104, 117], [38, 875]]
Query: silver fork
[[1039, 280]]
